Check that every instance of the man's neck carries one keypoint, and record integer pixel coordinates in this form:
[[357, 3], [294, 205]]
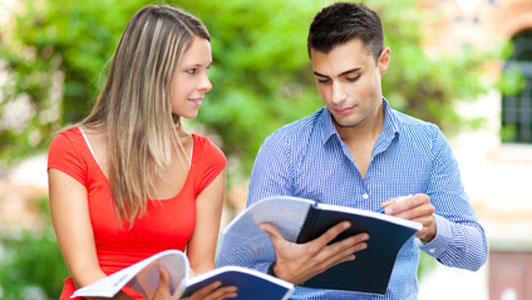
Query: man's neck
[[366, 131]]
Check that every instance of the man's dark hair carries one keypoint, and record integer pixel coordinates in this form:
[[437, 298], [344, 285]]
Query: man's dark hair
[[340, 22]]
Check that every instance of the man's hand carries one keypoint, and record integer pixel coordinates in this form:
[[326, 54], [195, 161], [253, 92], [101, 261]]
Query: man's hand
[[416, 208], [297, 263]]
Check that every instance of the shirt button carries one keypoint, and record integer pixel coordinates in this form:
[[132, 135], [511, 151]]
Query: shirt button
[[432, 250], [365, 196]]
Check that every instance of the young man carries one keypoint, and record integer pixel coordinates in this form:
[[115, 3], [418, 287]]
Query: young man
[[359, 152]]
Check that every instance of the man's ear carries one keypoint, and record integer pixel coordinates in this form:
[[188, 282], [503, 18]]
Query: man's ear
[[384, 61]]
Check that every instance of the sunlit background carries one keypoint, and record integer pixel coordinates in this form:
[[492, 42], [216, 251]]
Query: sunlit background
[[465, 65]]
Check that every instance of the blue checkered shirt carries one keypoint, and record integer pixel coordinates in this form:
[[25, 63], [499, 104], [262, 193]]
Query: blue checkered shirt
[[308, 159]]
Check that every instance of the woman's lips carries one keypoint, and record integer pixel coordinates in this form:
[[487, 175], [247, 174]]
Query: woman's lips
[[197, 102]]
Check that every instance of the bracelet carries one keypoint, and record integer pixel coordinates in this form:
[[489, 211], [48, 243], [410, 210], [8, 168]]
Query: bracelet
[[270, 270]]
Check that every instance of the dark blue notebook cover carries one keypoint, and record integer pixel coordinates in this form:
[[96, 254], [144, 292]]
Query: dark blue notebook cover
[[371, 270], [249, 286]]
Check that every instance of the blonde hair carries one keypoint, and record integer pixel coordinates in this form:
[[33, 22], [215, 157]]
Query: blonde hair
[[134, 107]]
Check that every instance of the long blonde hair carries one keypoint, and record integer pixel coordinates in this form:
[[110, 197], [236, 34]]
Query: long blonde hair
[[134, 107]]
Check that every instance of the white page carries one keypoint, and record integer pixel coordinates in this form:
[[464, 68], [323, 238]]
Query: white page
[[147, 280], [173, 260], [247, 243]]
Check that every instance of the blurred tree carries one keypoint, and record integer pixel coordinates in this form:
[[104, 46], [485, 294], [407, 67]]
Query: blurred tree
[[55, 57], [31, 266]]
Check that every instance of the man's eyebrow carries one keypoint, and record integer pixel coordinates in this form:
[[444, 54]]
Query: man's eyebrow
[[320, 75], [349, 71], [341, 74]]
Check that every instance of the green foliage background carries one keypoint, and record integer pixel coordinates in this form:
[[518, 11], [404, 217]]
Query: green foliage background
[[31, 266], [56, 53], [56, 56]]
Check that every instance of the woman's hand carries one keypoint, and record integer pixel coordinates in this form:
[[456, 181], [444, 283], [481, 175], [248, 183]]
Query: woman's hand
[[163, 290], [213, 292], [209, 292]]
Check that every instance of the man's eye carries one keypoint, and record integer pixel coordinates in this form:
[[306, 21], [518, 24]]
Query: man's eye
[[191, 71], [323, 80], [355, 78]]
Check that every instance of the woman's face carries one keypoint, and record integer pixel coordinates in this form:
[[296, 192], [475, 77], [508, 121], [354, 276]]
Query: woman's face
[[190, 82]]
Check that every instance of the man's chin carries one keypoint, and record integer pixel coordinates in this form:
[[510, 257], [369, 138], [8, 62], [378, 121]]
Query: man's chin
[[344, 123]]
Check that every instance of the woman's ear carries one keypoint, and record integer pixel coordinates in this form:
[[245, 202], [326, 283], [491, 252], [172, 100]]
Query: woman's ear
[[384, 61]]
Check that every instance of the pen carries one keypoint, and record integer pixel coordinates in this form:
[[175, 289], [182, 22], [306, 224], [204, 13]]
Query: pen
[[396, 201]]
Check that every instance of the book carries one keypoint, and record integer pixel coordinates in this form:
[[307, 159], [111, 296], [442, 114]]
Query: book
[[300, 220], [144, 276]]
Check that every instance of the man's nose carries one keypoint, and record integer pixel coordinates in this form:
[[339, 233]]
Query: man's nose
[[339, 94]]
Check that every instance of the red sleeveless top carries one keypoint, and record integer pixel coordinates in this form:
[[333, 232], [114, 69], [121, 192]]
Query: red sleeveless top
[[167, 224]]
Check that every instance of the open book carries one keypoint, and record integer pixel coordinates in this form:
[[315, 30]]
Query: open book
[[143, 277], [301, 220]]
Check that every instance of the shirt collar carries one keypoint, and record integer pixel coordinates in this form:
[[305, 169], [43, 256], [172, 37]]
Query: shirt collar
[[389, 129], [391, 123], [327, 125]]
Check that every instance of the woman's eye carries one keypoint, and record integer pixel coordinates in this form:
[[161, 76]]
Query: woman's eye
[[191, 71], [323, 80]]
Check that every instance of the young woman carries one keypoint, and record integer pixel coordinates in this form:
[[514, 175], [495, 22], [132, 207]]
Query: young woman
[[129, 181]]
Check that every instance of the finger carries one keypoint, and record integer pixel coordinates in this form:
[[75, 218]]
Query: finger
[[426, 221], [278, 240], [422, 211], [350, 241], [429, 228], [388, 202], [346, 254], [205, 291], [346, 246], [165, 278], [272, 231], [164, 284], [223, 293], [421, 233], [407, 204], [340, 251], [331, 234], [392, 201]]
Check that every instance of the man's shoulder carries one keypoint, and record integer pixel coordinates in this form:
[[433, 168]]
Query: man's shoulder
[[412, 125], [297, 130], [426, 136], [408, 120]]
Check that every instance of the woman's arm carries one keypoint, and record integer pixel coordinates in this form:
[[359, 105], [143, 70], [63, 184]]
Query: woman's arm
[[70, 217], [201, 248]]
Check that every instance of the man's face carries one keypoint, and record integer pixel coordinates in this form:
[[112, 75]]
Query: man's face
[[349, 81]]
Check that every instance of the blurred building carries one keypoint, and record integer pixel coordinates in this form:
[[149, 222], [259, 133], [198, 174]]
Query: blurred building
[[496, 161]]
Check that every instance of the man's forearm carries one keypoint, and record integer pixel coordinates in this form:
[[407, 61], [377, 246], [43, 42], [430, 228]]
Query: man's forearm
[[458, 245]]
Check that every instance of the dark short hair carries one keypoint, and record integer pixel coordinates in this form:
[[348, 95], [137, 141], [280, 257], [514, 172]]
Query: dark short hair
[[342, 21]]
